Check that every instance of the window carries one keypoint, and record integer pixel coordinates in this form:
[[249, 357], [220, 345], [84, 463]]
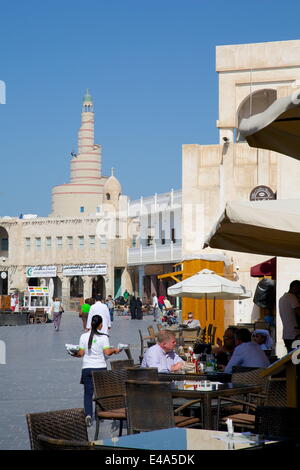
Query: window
[[98, 209], [92, 240], [81, 208], [163, 237], [102, 240], [4, 244], [38, 243], [59, 242], [27, 242], [81, 241], [150, 240], [48, 242], [108, 196], [70, 242], [173, 235], [134, 238]]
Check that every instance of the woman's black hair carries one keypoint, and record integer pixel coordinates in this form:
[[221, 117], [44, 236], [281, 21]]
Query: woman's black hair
[[96, 322]]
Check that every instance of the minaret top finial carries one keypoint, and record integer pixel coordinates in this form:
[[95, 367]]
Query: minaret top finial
[[87, 97], [112, 171]]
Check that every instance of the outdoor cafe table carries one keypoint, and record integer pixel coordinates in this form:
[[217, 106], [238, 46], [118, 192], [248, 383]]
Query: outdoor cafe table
[[218, 390], [183, 439], [212, 376]]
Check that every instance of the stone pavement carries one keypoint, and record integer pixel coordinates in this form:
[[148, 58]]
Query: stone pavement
[[39, 375]]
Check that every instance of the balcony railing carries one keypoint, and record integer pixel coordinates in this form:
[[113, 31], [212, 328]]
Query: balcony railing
[[154, 254]]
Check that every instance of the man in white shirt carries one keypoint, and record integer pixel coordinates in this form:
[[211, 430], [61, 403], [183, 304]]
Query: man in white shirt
[[191, 322], [101, 309], [246, 353], [162, 355], [289, 310]]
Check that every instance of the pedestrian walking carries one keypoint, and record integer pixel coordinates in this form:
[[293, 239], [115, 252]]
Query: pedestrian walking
[[57, 311], [155, 307], [132, 307], [93, 348], [111, 307], [139, 309], [84, 311], [99, 308]]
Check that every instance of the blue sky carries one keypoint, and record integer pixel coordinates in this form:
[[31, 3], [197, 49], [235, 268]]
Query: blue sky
[[150, 66]]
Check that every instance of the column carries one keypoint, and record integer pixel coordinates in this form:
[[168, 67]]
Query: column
[[141, 273], [87, 286], [65, 291]]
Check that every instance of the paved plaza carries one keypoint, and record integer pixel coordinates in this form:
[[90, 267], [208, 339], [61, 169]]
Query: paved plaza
[[39, 375]]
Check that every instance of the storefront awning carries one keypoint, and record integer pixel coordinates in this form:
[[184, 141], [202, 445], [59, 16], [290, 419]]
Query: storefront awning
[[266, 268], [277, 128]]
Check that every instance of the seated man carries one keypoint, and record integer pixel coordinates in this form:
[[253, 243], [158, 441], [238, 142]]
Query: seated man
[[224, 351], [191, 322], [246, 353], [263, 339], [162, 354]]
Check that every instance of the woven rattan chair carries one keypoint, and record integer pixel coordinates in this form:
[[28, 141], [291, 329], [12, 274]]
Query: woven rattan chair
[[49, 443], [273, 394], [67, 425], [109, 392], [277, 421], [149, 406], [142, 373], [121, 364]]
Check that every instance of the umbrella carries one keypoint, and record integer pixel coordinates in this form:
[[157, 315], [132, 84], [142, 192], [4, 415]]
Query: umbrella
[[277, 128], [206, 284], [260, 227]]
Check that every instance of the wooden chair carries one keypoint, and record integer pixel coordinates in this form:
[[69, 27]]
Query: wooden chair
[[149, 406], [128, 353], [152, 334], [142, 373], [143, 345], [121, 364], [209, 331], [213, 335], [189, 336], [40, 316], [109, 391], [64, 426]]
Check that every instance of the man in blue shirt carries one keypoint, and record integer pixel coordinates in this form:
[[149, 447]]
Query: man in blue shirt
[[162, 354], [246, 353]]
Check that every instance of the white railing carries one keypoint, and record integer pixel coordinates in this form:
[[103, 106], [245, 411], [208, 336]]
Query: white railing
[[154, 254]]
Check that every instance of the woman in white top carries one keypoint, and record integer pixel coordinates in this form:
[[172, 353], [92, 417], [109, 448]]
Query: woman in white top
[[93, 347], [57, 310]]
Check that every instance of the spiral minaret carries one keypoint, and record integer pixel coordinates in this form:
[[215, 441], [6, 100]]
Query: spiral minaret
[[84, 193]]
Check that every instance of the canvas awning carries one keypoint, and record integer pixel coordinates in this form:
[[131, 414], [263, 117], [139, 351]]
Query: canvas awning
[[266, 268], [277, 128], [260, 227]]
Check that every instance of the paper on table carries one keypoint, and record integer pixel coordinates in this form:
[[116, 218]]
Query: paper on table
[[236, 438]]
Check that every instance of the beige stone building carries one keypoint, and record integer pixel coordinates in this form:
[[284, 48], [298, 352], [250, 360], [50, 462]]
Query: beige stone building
[[82, 245], [251, 77]]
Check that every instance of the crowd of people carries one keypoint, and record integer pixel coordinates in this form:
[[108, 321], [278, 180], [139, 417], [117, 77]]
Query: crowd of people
[[239, 347]]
